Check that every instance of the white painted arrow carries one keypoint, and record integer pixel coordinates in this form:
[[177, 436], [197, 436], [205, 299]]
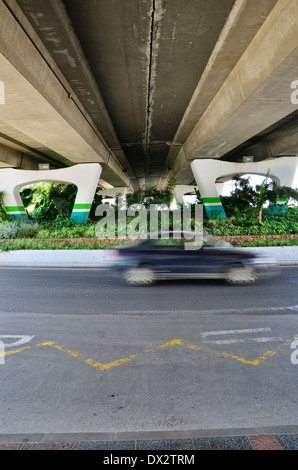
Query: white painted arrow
[[21, 339]]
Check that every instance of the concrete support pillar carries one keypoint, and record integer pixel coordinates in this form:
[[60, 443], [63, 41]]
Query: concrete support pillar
[[180, 190], [205, 173], [84, 176], [278, 208], [284, 170], [114, 192], [13, 203]]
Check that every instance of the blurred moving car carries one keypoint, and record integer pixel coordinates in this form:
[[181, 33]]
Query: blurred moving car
[[157, 259]]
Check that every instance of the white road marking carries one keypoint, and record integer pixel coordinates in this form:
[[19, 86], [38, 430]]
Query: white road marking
[[205, 335], [2, 351], [21, 339], [251, 310]]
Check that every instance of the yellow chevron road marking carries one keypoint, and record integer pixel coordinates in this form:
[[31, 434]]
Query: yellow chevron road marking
[[174, 342]]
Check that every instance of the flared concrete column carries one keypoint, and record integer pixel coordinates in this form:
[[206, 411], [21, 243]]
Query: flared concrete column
[[84, 176], [180, 190], [283, 170], [205, 175], [87, 181]]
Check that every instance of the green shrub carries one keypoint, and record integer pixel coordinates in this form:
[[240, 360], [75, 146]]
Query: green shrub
[[8, 229], [64, 227], [17, 229], [31, 244], [44, 201], [266, 243], [241, 225]]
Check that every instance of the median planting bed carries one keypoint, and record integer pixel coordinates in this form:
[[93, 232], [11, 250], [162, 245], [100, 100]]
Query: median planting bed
[[64, 234], [50, 226]]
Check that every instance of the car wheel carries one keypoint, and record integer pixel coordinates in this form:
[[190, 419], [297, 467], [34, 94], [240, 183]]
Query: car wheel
[[241, 275], [141, 276]]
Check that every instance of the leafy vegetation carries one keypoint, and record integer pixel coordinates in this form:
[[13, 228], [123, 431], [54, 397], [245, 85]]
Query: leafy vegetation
[[152, 196], [247, 201], [242, 200], [17, 229], [49, 207], [286, 223], [2, 211], [29, 244], [45, 202], [270, 191]]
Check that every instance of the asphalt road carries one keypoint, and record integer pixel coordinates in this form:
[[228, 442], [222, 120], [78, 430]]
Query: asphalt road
[[86, 354]]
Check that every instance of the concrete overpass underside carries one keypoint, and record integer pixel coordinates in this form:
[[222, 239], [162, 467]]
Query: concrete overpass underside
[[144, 87]]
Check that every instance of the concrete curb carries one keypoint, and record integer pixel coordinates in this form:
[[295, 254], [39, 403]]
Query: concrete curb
[[285, 256], [55, 258]]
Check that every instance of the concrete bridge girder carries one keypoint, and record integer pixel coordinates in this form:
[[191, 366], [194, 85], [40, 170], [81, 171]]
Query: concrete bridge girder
[[39, 103], [254, 96], [244, 87], [155, 25]]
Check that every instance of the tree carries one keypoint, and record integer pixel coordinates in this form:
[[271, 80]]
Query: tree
[[270, 191], [152, 196], [44, 201], [2, 210], [242, 199]]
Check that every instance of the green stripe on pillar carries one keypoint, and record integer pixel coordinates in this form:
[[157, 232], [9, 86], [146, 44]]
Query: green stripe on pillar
[[15, 209], [280, 200], [211, 200], [16, 213], [82, 206]]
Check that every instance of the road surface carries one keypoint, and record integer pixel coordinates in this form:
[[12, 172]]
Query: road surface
[[83, 353]]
